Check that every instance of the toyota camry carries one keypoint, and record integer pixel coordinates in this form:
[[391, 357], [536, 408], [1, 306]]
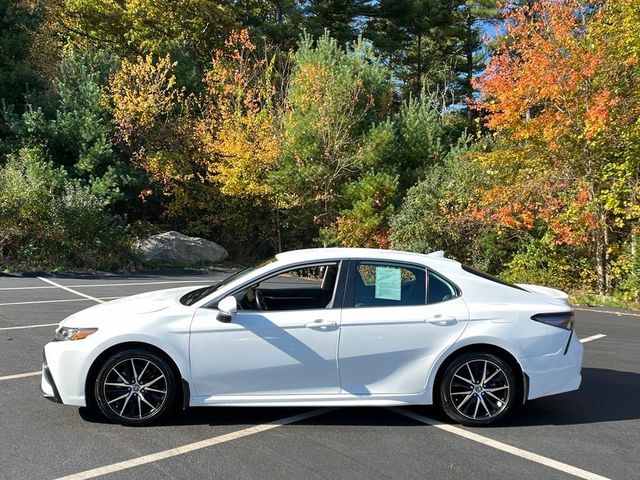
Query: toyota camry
[[321, 327]]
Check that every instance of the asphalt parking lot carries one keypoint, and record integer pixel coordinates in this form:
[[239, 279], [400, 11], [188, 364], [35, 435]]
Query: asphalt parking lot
[[593, 433]]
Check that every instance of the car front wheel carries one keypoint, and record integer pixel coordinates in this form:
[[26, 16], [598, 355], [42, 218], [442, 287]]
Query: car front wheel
[[135, 387], [477, 389]]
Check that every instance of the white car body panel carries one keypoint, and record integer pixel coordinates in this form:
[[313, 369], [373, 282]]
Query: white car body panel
[[371, 356], [384, 350], [264, 353]]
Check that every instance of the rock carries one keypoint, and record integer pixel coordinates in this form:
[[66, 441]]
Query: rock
[[174, 248]]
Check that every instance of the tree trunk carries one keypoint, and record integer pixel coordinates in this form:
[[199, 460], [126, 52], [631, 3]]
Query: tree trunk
[[602, 256], [600, 267], [419, 62], [279, 229], [635, 262], [469, 55], [607, 262]]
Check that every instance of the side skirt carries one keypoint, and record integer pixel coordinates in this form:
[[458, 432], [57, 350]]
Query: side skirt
[[308, 400]]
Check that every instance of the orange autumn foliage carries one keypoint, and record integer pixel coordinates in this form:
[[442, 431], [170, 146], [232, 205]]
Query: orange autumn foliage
[[543, 95]]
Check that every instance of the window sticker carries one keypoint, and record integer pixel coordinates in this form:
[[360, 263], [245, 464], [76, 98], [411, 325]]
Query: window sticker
[[388, 282]]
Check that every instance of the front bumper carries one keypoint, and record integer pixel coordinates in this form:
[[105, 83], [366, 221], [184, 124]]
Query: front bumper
[[47, 385], [555, 373], [64, 371]]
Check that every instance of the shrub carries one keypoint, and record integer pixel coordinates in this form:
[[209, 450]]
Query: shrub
[[539, 261], [50, 221]]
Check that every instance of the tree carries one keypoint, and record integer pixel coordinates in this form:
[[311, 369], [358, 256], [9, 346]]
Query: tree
[[188, 30], [334, 98], [365, 220], [241, 125], [417, 37], [554, 102], [74, 125], [153, 127], [18, 77], [438, 213], [48, 220], [338, 17], [471, 17], [278, 22]]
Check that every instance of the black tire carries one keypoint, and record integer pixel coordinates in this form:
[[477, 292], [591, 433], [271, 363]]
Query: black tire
[[467, 400], [135, 387]]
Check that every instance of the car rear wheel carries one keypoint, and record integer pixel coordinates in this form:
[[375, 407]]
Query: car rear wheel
[[477, 389], [135, 387]]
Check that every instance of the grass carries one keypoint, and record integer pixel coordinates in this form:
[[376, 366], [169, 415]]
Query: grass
[[594, 300]]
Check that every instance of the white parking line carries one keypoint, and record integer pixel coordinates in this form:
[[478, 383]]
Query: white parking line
[[20, 375], [610, 312], [71, 290], [94, 285], [518, 452], [592, 337], [227, 437], [28, 326], [101, 300]]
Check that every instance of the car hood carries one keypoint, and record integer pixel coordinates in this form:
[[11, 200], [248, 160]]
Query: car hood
[[557, 295], [123, 308]]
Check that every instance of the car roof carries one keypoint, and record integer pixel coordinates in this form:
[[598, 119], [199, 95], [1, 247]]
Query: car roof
[[312, 254]]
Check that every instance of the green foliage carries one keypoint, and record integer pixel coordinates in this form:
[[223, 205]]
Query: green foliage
[[78, 132], [419, 139], [365, 223], [18, 76], [336, 16], [219, 120], [333, 99], [628, 270], [195, 27], [48, 220], [434, 213], [540, 261]]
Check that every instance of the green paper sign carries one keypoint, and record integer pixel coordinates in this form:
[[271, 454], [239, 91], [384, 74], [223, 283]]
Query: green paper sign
[[388, 283]]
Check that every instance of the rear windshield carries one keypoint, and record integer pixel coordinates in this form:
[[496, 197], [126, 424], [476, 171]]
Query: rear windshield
[[491, 278]]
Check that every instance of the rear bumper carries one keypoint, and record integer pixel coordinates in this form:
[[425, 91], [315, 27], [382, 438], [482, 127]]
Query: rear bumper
[[555, 373]]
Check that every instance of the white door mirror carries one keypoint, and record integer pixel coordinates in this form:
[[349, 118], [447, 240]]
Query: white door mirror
[[227, 308]]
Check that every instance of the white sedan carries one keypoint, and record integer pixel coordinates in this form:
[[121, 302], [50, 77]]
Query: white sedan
[[320, 327]]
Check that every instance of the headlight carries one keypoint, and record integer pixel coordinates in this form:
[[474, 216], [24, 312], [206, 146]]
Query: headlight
[[69, 333]]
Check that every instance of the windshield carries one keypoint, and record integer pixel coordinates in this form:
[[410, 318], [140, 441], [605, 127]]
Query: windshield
[[199, 293]]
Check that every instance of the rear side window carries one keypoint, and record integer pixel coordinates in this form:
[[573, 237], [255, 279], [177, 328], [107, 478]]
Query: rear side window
[[439, 289], [382, 285]]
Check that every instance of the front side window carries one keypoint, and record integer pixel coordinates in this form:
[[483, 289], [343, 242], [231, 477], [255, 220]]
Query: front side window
[[387, 284], [198, 294], [301, 288]]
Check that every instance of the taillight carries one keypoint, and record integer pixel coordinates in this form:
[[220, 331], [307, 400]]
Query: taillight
[[560, 319]]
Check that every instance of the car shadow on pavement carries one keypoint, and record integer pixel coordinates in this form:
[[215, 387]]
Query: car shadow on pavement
[[251, 416], [604, 396]]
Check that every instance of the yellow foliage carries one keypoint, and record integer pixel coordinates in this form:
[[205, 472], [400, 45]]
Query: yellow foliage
[[142, 94], [239, 131]]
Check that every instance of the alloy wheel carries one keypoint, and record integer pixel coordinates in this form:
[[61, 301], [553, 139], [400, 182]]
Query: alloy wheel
[[480, 389], [135, 388]]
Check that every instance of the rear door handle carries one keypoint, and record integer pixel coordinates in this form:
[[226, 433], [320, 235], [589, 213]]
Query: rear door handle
[[441, 319], [321, 324]]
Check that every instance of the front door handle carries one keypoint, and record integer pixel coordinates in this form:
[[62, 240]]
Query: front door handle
[[441, 319], [321, 324]]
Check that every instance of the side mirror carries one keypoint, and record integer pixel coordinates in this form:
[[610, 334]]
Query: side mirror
[[227, 308]]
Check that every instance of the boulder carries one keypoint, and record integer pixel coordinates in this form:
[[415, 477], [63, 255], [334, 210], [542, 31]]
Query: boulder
[[174, 248]]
